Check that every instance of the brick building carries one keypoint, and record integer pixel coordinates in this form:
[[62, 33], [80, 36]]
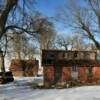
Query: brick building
[[24, 67], [63, 66]]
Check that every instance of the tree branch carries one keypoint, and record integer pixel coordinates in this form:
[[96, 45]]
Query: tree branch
[[20, 28], [4, 15]]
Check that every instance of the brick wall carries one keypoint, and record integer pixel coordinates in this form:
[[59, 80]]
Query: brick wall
[[85, 74], [66, 74], [82, 73], [18, 73], [24, 67], [48, 75], [96, 72]]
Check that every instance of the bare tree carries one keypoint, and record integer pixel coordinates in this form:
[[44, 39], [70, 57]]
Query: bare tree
[[11, 20], [62, 42], [4, 13], [83, 19], [75, 41], [21, 46], [45, 30]]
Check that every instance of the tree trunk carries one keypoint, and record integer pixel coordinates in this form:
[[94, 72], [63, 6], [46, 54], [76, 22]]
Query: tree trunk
[[91, 36], [3, 20], [2, 62], [4, 15], [19, 55]]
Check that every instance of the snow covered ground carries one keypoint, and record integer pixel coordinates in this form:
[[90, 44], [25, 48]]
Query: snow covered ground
[[19, 90]]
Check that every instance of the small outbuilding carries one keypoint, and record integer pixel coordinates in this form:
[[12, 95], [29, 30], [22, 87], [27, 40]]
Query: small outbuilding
[[63, 66], [24, 67]]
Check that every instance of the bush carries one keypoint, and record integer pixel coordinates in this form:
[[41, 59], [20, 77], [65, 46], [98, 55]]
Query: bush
[[6, 77]]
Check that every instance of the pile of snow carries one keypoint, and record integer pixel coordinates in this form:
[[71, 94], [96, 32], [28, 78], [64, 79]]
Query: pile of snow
[[19, 90]]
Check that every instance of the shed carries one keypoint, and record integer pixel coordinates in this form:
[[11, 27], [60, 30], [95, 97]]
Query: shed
[[24, 67], [63, 66]]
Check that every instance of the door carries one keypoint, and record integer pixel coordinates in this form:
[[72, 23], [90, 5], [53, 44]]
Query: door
[[57, 74], [74, 73]]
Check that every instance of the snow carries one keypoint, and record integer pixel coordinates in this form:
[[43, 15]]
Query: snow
[[20, 90]]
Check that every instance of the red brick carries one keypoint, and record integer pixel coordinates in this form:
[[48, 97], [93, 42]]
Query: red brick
[[66, 74], [82, 73], [96, 72], [24, 67], [49, 74]]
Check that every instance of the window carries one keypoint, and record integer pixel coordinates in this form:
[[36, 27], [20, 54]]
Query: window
[[49, 62], [74, 68], [50, 56], [75, 55], [98, 57]]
